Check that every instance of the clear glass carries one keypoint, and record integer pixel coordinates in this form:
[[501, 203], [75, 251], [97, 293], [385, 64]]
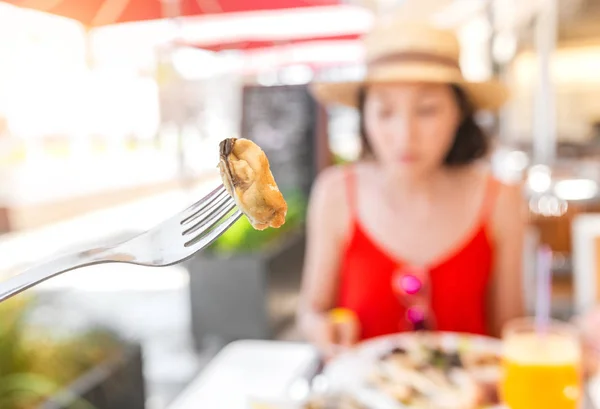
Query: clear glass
[[541, 370]]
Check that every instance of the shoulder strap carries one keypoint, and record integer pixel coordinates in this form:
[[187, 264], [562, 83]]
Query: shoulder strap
[[351, 190]]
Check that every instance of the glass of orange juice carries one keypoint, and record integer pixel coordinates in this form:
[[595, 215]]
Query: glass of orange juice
[[541, 369]]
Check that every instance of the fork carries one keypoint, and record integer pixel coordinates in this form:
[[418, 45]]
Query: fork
[[171, 242]]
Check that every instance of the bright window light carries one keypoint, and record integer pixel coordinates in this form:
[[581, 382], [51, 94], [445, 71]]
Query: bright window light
[[576, 189]]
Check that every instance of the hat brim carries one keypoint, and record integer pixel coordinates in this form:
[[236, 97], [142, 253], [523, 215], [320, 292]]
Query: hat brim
[[485, 95]]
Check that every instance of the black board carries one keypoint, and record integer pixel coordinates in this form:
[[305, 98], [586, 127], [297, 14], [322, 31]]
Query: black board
[[282, 120]]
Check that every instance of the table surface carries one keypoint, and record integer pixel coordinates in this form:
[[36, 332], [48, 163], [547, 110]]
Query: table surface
[[247, 370], [253, 370]]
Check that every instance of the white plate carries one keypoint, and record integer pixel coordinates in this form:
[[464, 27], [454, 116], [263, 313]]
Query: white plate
[[349, 370]]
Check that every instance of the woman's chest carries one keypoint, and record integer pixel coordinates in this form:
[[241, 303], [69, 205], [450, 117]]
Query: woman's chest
[[417, 236], [458, 283]]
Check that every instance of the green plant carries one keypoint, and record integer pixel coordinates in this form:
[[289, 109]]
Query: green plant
[[243, 238], [34, 365]]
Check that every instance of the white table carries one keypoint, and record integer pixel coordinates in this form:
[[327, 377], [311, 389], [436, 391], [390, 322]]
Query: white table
[[262, 371], [244, 370]]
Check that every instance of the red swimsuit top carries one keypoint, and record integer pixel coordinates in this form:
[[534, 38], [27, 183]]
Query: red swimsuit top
[[458, 282]]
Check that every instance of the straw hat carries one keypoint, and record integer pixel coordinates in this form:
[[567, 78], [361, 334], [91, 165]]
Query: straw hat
[[402, 51]]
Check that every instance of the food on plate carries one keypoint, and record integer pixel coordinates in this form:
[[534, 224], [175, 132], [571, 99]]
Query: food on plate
[[246, 174], [334, 401], [423, 374]]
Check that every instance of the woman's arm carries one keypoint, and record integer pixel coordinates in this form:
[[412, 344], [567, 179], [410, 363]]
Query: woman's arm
[[327, 227], [509, 222]]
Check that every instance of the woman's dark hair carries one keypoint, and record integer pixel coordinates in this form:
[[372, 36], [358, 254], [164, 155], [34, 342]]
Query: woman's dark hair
[[470, 141]]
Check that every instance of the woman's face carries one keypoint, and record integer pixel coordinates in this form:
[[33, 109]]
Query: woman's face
[[411, 127]]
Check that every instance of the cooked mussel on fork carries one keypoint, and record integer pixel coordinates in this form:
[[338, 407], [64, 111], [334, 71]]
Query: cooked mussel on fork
[[247, 176]]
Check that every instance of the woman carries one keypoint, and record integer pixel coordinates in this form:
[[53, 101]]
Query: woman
[[418, 234]]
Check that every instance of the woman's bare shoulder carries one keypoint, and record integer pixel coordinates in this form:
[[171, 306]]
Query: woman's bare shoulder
[[329, 189], [510, 208], [331, 181], [335, 181], [477, 177], [511, 191], [329, 197], [473, 178], [511, 197]]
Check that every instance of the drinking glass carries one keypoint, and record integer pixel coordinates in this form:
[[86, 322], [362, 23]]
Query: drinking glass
[[541, 367]]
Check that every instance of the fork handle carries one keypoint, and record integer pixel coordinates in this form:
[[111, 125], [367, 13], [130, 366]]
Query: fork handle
[[51, 268]]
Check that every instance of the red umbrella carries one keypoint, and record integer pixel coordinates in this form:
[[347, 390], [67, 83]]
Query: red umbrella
[[251, 31], [257, 43], [93, 13]]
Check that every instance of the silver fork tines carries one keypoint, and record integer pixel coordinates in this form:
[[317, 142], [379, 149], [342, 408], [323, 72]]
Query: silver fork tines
[[214, 231], [171, 242], [203, 203], [203, 216]]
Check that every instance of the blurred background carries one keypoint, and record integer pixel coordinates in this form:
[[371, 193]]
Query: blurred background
[[110, 117]]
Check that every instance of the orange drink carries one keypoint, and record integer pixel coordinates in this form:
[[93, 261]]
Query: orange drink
[[541, 370]]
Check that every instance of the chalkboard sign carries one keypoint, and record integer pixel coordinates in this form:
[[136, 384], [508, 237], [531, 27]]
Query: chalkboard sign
[[282, 120]]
